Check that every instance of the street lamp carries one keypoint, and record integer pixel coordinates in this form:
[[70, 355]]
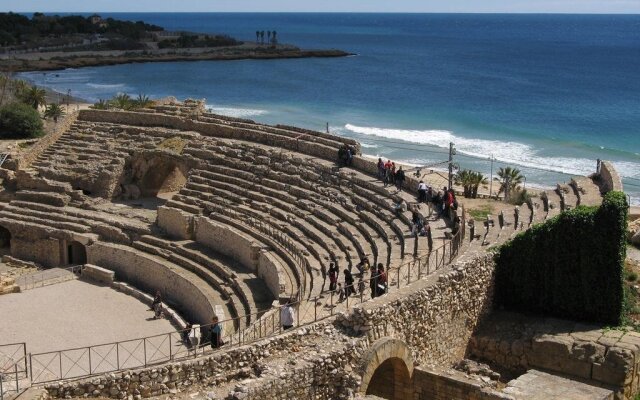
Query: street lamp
[[524, 185], [68, 97]]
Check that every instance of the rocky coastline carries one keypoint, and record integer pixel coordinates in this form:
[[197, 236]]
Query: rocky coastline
[[48, 61]]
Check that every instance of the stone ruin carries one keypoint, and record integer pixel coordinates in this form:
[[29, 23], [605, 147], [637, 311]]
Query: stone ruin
[[232, 218]]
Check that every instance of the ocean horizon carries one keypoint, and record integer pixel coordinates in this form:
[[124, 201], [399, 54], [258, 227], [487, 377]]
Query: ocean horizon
[[546, 93]]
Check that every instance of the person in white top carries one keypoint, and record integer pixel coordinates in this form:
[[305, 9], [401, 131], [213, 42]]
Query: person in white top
[[287, 316], [422, 192]]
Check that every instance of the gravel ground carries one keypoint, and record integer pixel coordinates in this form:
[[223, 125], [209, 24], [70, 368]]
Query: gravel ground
[[74, 314]]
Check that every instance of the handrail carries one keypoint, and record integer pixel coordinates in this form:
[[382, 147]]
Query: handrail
[[157, 349]]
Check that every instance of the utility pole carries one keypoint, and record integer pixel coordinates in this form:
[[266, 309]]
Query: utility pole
[[491, 177], [327, 127], [452, 152]]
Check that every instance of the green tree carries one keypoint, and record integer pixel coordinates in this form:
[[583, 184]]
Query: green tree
[[54, 111], [510, 178], [33, 96], [19, 121], [470, 182]]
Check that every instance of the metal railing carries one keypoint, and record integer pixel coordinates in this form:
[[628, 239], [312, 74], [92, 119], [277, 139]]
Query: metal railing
[[158, 349], [45, 278], [13, 368]]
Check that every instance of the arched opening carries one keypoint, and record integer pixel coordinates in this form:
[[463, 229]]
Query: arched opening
[[165, 178], [77, 253], [387, 369], [391, 380], [5, 240]]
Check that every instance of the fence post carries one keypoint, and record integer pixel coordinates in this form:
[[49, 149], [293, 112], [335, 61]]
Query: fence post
[[144, 343], [315, 309], [400, 267], [331, 308], [419, 269], [60, 359], [15, 368], [89, 360], [1, 390], [415, 246], [409, 272]]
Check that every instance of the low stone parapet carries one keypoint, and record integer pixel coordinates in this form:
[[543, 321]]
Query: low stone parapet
[[98, 274]]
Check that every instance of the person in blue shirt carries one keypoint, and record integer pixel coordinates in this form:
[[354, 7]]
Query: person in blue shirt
[[216, 333]]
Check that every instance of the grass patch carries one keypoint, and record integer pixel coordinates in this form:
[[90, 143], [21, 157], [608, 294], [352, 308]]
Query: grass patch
[[174, 144], [480, 213]]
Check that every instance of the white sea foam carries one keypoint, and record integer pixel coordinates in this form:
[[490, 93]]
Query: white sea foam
[[107, 86], [236, 112], [369, 146], [507, 152]]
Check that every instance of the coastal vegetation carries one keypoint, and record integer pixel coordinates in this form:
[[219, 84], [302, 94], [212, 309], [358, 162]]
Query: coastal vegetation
[[571, 266], [20, 32], [19, 121], [470, 182], [125, 102]]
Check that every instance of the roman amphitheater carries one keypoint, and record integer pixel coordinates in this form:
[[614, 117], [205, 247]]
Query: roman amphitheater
[[232, 218]]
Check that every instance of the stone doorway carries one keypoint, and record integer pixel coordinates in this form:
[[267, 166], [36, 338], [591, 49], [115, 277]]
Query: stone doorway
[[77, 253]]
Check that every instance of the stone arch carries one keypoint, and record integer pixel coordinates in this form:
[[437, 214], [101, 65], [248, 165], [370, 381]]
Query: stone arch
[[387, 369], [76, 253]]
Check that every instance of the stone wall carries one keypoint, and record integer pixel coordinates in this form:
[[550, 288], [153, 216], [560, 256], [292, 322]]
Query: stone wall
[[609, 179], [242, 248], [434, 384], [148, 274], [42, 251], [609, 358], [435, 316], [438, 319]]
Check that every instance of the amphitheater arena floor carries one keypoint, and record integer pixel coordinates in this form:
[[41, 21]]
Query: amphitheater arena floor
[[74, 314]]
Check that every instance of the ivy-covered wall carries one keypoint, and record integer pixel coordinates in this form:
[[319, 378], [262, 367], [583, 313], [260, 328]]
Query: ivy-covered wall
[[569, 267]]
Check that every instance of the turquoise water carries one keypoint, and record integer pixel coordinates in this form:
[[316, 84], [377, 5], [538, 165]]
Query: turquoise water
[[546, 93]]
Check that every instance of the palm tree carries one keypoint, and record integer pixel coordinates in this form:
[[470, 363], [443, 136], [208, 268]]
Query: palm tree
[[273, 37], [476, 180], [18, 86], [101, 105], [509, 179], [33, 96], [262, 37], [257, 37], [463, 178], [268, 37], [54, 111], [143, 101], [122, 101]]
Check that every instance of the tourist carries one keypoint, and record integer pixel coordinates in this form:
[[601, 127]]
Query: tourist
[[399, 178], [416, 222], [426, 231], [156, 306], [393, 173], [381, 281], [185, 334], [340, 293], [422, 192], [287, 316], [363, 265], [361, 284], [372, 282], [333, 276], [323, 271], [400, 207], [380, 169], [216, 333], [349, 289]]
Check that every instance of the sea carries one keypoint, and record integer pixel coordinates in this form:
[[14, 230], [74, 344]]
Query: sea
[[547, 94]]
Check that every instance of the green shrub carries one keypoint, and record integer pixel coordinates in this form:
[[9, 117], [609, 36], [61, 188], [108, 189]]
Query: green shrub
[[571, 266], [19, 121]]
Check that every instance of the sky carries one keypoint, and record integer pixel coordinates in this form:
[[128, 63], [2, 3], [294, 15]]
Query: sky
[[416, 6]]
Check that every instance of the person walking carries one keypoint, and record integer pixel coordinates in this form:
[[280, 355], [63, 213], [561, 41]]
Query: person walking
[[333, 277], [287, 316], [422, 192], [348, 283], [381, 281], [373, 282], [399, 178], [156, 306], [216, 333]]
